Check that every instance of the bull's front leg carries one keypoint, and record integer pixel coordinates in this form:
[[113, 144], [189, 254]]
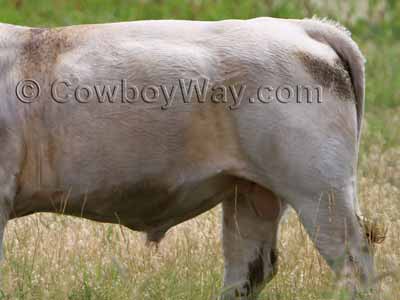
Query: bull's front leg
[[11, 159], [250, 224], [3, 222], [7, 194]]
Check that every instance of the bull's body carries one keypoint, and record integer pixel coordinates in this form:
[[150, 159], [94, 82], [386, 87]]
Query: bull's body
[[150, 168]]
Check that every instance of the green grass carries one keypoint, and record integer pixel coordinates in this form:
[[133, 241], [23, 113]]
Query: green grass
[[55, 257]]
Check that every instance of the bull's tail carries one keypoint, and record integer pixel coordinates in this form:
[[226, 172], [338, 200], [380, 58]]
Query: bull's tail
[[339, 39]]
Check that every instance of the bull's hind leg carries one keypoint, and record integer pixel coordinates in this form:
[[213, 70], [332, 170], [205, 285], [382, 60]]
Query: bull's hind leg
[[250, 223], [330, 219]]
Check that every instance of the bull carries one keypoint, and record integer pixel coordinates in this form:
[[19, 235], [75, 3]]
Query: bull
[[149, 166]]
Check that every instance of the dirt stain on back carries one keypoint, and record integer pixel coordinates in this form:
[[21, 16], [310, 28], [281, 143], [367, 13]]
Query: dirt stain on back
[[41, 50], [332, 76]]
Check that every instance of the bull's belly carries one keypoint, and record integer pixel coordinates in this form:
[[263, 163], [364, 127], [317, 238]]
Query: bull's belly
[[142, 206]]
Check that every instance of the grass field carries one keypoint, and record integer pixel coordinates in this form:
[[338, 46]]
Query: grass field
[[56, 257]]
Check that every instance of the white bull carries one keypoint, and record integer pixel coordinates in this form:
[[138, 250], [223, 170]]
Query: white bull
[[127, 160]]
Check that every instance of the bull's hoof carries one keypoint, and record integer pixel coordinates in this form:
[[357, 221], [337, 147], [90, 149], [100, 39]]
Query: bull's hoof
[[238, 293]]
